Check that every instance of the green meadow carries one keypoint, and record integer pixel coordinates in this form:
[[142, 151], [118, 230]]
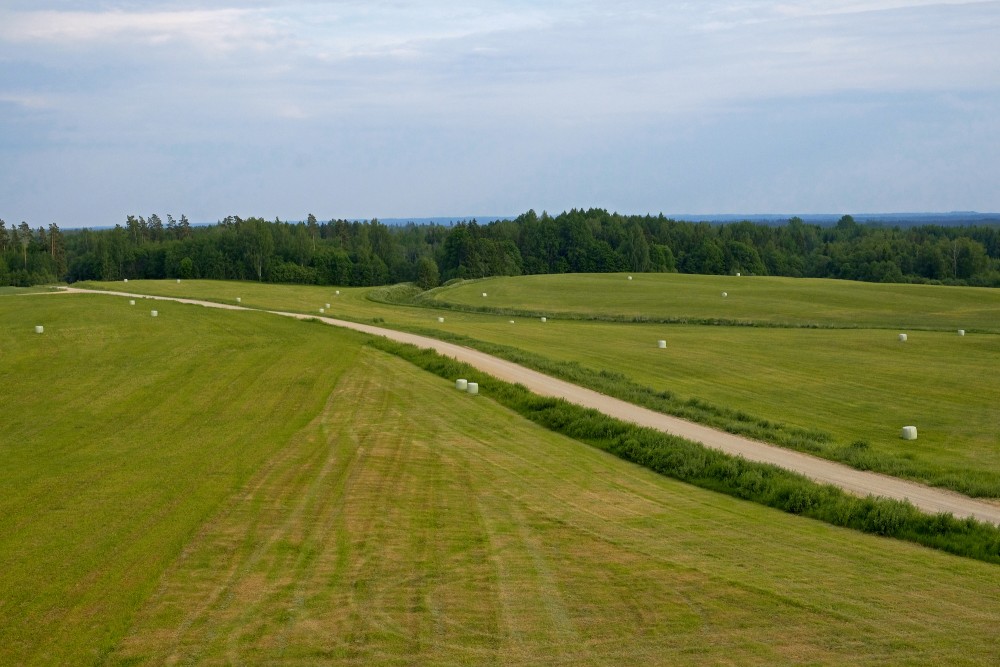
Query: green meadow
[[852, 385], [230, 487], [757, 300]]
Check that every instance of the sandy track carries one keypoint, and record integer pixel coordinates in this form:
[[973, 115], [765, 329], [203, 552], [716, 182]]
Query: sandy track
[[821, 470]]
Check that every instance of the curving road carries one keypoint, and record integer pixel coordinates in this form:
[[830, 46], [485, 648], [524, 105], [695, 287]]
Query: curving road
[[854, 481]]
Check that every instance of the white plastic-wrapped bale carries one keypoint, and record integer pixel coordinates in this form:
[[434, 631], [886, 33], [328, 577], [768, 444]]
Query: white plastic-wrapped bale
[[511, 321], [131, 302], [462, 384], [239, 300], [909, 433], [661, 344], [153, 313], [126, 280], [338, 292], [39, 329], [725, 294], [902, 338], [961, 332], [545, 319], [178, 281], [473, 388], [327, 305], [322, 310], [630, 277], [440, 320], [737, 274], [484, 293]]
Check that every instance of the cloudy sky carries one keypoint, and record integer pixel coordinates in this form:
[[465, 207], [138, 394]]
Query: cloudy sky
[[362, 108]]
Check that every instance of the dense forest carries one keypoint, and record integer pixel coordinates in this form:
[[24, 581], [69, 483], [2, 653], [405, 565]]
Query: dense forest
[[342, 252]]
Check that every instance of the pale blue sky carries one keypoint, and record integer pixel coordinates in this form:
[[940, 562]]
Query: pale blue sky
[[395, 109]]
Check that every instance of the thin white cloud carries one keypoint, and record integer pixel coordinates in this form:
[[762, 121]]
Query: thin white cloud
[[33, 102], [67, 28]]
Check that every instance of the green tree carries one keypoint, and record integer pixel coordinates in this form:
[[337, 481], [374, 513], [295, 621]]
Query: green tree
[[313, 229], [257, 244], [662, 258], [57, 250], [635, 249], [24, 238], [183, 228], [427, 273]]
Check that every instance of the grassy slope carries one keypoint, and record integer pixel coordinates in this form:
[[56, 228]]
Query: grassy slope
[[177, 489], [855, 384], [411, 524], [121, 434]]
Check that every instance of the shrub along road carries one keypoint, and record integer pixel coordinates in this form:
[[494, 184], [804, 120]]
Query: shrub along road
[[854, 481]]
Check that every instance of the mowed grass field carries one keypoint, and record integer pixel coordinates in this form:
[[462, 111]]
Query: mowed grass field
[[855, 384], [758, 299], [216, 487]]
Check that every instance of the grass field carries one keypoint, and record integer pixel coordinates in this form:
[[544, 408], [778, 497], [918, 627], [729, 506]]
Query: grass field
[[762, 300], [853, 384], [215, 487], [121, 434]]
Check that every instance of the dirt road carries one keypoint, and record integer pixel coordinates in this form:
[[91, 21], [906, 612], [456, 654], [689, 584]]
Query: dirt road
[[821, 470]]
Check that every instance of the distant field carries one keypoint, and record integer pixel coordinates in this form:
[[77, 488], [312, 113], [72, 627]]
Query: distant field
[[855, 384], [793, 301], [225, 487]]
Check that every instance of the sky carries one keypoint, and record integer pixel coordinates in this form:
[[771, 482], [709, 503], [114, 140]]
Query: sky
[[394, 109]]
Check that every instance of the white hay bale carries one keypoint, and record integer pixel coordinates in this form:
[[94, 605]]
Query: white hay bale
[[661, 344], [131, 302], [630, 277], [737, 274], [511, 321], [440, 320], [322, 310], [178, 281], [725, 294], [545, 319], [462, 384], [338, 292], [39, 329], [239, 300], [961, 332], [902, 338], [153, 313], [126, 280], [909, 433], [484, 293], [473, 388]]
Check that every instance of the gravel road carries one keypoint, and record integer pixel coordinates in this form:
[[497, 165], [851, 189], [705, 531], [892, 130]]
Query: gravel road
[[858, 482]]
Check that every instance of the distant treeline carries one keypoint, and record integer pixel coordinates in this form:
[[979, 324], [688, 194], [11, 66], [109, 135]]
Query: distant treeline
[[342, 252]]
